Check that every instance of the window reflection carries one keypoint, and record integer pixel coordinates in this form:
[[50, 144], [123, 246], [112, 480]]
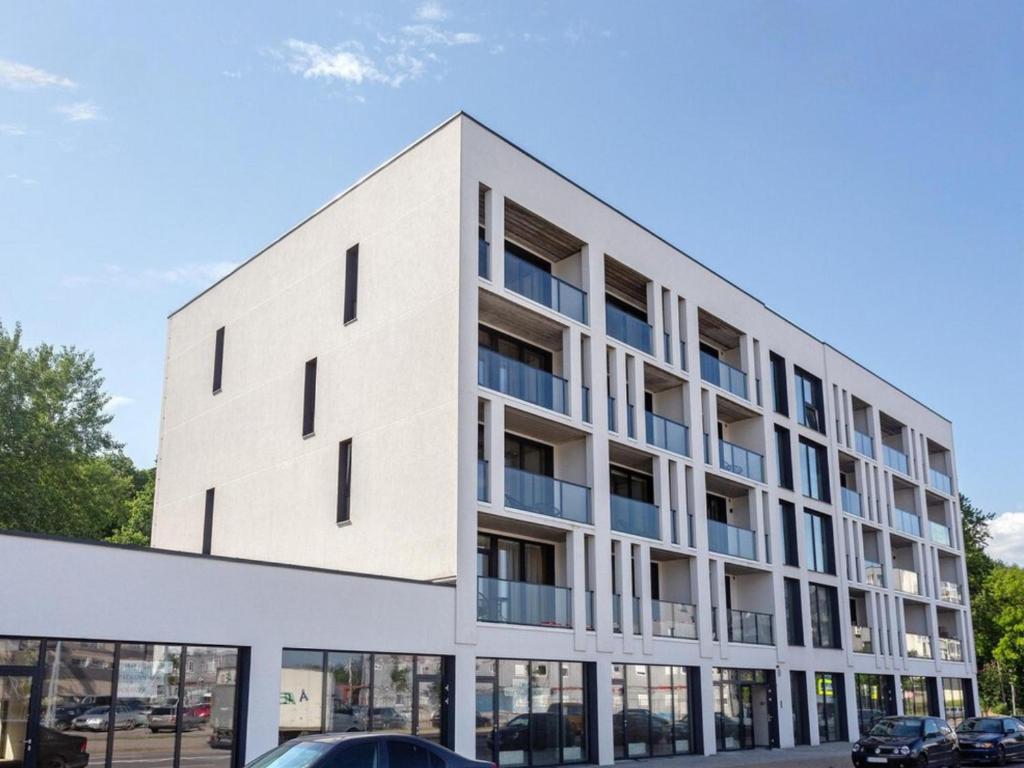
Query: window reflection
[[76, 694], [207, 709], [147, 682]]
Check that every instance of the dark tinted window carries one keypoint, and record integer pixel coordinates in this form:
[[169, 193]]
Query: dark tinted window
[[362, 754], [208, 522], [218, 360], [814, 470], [810, 403], [780, 396], [407, 754], [785, 457], [309, 398], [344, 479], [789, 545], [794, 612], [351, 282]]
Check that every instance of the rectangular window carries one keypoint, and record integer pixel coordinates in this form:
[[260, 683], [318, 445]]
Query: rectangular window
[[810, 401], [351, 282], [784, 456], [651, 711], [779, 393], [208, 522], [218, 360], [794, 612], [875, 700], [831, 696], [825, 628], [818, 542], [789, 545], [954, 700], [814, 471], [344, 479], [915, 695], [798, 691], [309, 399]]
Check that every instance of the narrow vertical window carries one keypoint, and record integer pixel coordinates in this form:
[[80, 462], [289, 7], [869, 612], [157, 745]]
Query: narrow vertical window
[[309, 399], [344, 479], [218, 360], [351, 282], [780, 396], [208, 522]]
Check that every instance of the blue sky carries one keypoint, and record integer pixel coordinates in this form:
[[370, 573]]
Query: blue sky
[[145, 148]]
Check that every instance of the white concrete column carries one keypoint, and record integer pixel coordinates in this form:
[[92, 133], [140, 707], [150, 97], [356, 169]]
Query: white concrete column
[[813, 734], [495, 435], [664, 496], [637, 371], [494, 227], [643, 576], [784, 706], [576, 567], [621, 392], [624, 586], [573, 371], [464, 710], [850, 691], [605, 738], [707, 700], [673, 332], [264, 697]]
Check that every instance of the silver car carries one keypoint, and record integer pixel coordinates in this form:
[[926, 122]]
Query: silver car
[[97, 719]]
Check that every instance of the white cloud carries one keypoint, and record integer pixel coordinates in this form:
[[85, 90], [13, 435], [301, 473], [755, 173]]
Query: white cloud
[[428, 34], [12, 130], [198, 275], [81, 111], [1007, 542], [431, 11], [15, 75], [21, 179], [116, 402], [341, 63]]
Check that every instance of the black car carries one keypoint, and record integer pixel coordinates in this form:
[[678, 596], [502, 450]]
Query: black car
[[61, 750], [907, 741], [991, 739], [61, 717], [363, 750]]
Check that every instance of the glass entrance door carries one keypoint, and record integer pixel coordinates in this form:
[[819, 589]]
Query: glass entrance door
[[746, 717], [15, 704]]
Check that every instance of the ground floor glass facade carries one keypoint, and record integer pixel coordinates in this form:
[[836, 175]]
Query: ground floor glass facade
[[954, 700], [916, 696], [744, 708], [831, 695], [652, 710], [875, 699]]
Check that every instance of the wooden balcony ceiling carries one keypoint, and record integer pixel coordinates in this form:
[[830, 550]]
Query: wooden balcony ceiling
[[533, 327], [512, 527], [538, 428], [629, 457], [730, 412], [625, 282], [658, 380], [717, 331], [539, 234]]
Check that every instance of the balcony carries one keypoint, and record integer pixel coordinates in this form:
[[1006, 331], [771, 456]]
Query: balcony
[[723, 375], [950, 592], [861, 639], [939, 533], [740, 461], [482, 494], [667, 434], [906, 521], [670, 619], [636, 517], [547, 496], [905, 581], [750, 627], [522, 381], [950, 649], [617, 614], [519, 602], [628, 329], [873, 573], [730, 540], [896, 459], [534, 283], [918, 646], [851, 501], [484, 259], [940, 481], [864, 444]]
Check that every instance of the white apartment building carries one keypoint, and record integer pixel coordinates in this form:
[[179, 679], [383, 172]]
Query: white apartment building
[[674, 521]]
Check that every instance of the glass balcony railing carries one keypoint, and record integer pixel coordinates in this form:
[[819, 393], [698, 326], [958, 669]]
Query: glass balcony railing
[[950, 649], [851, 501], [673, 619], [630, 420], [939, 533], [667, 434], [750, 627], [905, 581], [906, 521], [735, 458], [674, 515], [519, 602], [667, 345], [628, 329], [861, 639], [940, 481], [484, 257], [873, 573], [896, 459], [682, 354], [723, 375], [482, 493], [590, 609], [707, 448], [585, 402], [547, 496], [617, 614], [611, 414], [636, 517], [636, 616], [511, 377], [864, 444], [950, 592], [730, 540], [918, 646], [531, 281]]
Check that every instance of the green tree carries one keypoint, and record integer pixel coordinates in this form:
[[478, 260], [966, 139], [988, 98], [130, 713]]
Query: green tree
[[139, 512], [976, 538]]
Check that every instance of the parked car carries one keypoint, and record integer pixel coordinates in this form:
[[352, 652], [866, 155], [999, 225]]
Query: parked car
[[166, 719], [96, 719], [362, 750], [61, 750], [991, 739], [907, 742], [202, 711], [535, 731], [387, 717], [63, 716]]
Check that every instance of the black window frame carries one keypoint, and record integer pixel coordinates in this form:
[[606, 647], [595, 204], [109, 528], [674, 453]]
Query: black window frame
[[815, 418], [784, 455], [780, 394], [790, 545], [631, 478], [344, 481], [821, 476], [821, 549], [831, 603], [794, 612], [208, 521], [309, 399], [350, 310], [218, 361]]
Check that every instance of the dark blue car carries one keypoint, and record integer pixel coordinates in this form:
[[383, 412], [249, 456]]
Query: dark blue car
[[991, 739]]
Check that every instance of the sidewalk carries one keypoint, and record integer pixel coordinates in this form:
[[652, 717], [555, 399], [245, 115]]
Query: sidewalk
[[836, 755]]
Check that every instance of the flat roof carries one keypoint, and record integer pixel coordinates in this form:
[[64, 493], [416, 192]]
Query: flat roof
[[606, 204]]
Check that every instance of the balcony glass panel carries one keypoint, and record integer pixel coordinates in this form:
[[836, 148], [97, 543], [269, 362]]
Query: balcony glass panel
[[940, 481], [617, 614], [673, 619], [861, 639], [628, 329], [905, 581], [611, 414], [906, 521], [735, 458], [636, 615], [918, 646], [481, 480], [675, 525], [707, 448], [939, 532], [667, 434], [531, 281], [630, 420], [590, 609], [682, 354], [851, 501], [750, 627], [636, 517], [950, 649], [511, 377], [585, 402], [484, 258], [864, 444], [950, 592], [546, 495], [668, 346], [873, 573], [730, 540], [723, 375], [518, 602], [895, 459]]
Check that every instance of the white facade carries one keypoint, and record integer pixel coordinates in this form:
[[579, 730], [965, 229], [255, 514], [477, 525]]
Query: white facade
[[402, 382]]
